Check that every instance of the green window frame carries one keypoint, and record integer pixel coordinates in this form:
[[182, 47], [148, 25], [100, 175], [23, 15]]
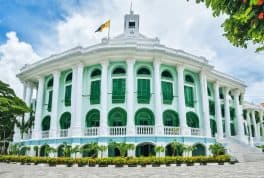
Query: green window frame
[[213, 127], [170, 118], [45, 124], [93, 118], [167, 92], [144, 117], [95, 92], [192, 120], [50, 93], [189, 96], [118, 90], [143, 91], [211, 107], [65, 120], [67, 97], [117, 117]]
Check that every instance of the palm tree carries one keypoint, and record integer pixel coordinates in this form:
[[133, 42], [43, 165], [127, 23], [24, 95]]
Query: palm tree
[[75, 150], [188, 149], [177, 148], [14, 149], [159, 149], [36, 149], [102, 149], [66, 149], [131, 147], [50, 149]]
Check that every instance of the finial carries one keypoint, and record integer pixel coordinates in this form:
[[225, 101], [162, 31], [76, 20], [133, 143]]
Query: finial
[[131, 11]]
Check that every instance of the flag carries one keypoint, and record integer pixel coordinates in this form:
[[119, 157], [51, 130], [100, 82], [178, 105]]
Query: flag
[[103, 26]]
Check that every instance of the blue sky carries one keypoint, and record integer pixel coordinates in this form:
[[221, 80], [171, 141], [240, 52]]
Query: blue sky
[[34, 29]]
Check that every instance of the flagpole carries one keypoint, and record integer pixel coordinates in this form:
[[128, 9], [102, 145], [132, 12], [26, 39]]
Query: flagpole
[[109, 30]]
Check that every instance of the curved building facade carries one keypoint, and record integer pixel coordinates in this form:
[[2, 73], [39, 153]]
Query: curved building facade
[[132, 89]]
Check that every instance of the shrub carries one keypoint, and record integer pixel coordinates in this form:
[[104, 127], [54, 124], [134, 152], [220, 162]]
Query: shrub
[[119, 161], [217, 149]]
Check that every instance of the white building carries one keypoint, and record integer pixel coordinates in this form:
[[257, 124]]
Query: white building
[[133, 89]]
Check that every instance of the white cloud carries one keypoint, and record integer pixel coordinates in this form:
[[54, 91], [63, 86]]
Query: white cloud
[[15, 54], [178, 24]]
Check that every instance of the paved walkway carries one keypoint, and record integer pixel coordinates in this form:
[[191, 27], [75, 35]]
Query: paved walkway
[[241, 170]]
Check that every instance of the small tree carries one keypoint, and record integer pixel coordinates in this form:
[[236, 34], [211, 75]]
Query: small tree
[[75, 150], [66, 149], [177, 148], [51, 150], [159, 149], [188, 149], [14, 149], [102, 149], [217, 149], [36, 149]]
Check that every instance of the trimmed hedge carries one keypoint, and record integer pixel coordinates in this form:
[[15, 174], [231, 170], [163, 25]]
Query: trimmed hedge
[[118, 161]]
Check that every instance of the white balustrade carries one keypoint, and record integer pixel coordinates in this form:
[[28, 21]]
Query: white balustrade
[[171, 130], [145, 130], [28, 136], [64, 132], [91, 131], [45, 134], [195, 131], [117, 131]]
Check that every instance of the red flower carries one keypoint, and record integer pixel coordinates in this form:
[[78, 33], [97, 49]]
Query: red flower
[[261, 16], [260, 2]]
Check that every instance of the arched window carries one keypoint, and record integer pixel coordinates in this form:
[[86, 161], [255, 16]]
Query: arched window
[[95, 89], [90, 150], [117, 117], [65, 120], [192, 120], [45, 124], [49, 93], [170, 118], [145, 149], [43, 150], [93, 118], [144, 117], [68, 89], [189, 91], [118, 85], [143, 85], [167, 87]]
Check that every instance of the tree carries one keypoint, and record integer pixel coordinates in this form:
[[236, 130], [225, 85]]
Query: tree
[[49, 150], [75, 150], [244, 23], [11, 107], [102, 149], [177, 148], [159, 149], [217, 149], [67, 149], [14, 149], [36, 149], [188, 149]]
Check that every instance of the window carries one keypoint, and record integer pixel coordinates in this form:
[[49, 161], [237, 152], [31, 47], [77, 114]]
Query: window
[[170, 118], [143, 71], [192, 120], [95, 92], [167, 92], [45, 125], [93, 118], [50, 100], [68, 89], [95, 88], [209, 92], [211, 108], [166, 74], [144, 117], [189, 79], [143, 85], [131, 24], [118, 85], [223, 110], [117, 117], [65, 120], [189, 98], [49, 94]]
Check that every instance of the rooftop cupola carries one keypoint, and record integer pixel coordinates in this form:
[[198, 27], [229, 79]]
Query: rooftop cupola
[[131, 26]]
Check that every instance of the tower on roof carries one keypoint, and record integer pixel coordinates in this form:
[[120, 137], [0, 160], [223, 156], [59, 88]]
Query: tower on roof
[[131, 26]]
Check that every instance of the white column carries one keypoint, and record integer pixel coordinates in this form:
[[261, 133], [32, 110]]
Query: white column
[[255, 124], [181, 101], [218, 116], [103, 102], [261, 123], [157, 90], [130, 97], [205, 105], [37, 126], [24, 91], [227, 112], [249, 130], [54, 110], [73, 97], [240, 130], [77, 128], [29, 92]]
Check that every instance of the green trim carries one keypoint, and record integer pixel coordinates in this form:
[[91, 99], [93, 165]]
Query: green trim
[[93, 118], [144, 117], [117, 117], [65, 120], [170, 118], [192, 120]]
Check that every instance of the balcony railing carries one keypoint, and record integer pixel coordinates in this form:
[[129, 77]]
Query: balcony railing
[[117, 131], [171, 130], [28, 136], [91, 131], [64, 132], [45, 134], [195, 132], [145, 130]]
